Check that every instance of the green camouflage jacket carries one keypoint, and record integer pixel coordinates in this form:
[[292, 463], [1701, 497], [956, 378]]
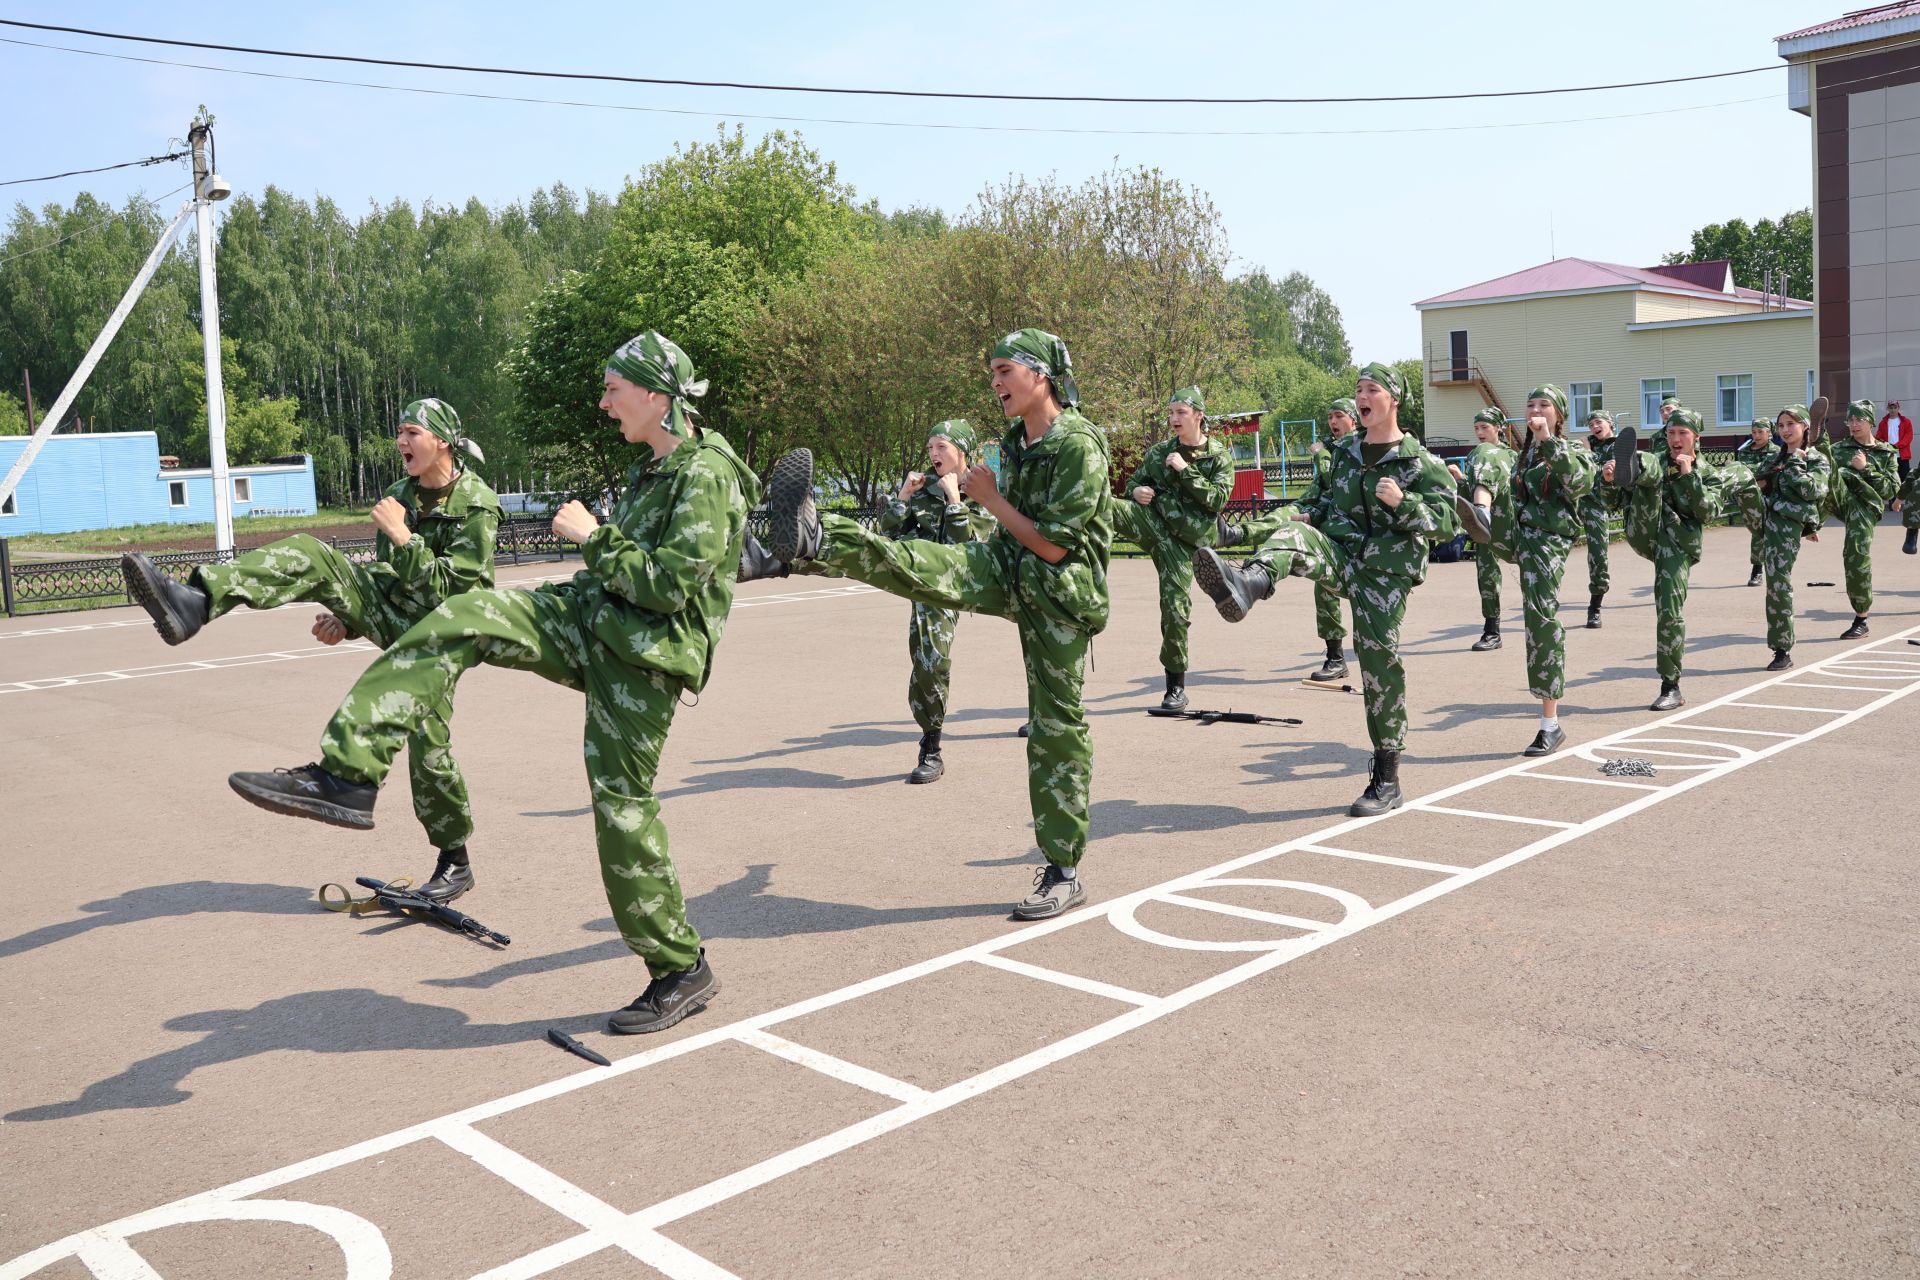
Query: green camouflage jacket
[[1864, 494], [660, 574], [1796, 488], [1187, 501], [927, 516], [1490, 467], [1391, 540], [451, 550], [1667, 510], [1060, 482], [1549, 480]]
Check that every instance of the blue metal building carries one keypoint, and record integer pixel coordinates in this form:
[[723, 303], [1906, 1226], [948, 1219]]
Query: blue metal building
[[114, 478]]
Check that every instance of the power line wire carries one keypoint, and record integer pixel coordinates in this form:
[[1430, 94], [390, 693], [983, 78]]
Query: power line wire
[[54, 244], [869, 92], [878, 124], [74, 173]]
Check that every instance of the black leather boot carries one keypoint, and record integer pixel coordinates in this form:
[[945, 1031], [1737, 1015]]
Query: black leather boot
[[1669, 699], [178, 611], [1176, 698], [931, 766], [793, 526], [1234, 589], [1593, 611], [1334, 667], [1383, 787], [1489, 637]]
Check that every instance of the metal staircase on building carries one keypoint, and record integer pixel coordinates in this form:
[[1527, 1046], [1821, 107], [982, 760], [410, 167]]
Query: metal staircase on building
[[1446, 371]]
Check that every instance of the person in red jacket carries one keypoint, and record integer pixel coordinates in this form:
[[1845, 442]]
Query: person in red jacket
[[1897, 430]]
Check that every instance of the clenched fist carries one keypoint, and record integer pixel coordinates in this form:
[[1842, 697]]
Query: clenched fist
[[574, 522], [390, 518]]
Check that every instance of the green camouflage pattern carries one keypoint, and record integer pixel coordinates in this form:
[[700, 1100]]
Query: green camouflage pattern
[[1752, 508], [658, 581], [1909, 496], [1549, 480], [1861, 495], [1667, 517], [1181, 517], [1793, 489], [451, 551], [1061, 483], [440, 420], [1490, 467], [930, 631], [1342, 505], [657, 363], [1045, 354]]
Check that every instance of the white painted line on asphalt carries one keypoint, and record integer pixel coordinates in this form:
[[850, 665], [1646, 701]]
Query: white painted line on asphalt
[[1543, 776], [1059, 978], [227, 1202], [115, 1260], [1843, 688], [1243, 913], [1697, 727], [1385, 859], [1775, 706], [828, 1065], [1492, 817], [183, 667]]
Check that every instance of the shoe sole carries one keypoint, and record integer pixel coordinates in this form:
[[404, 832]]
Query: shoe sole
[[146, 593], [296, 807], [1593, 624], [1048, 912], [1207, 571], [1532, 754], [915, 780], [693, 1005], [1626, 458], [1478, 530], [788, 492], [444, 899], [1675, 707], [1356, 810], [1324, 676], [1478, 647]]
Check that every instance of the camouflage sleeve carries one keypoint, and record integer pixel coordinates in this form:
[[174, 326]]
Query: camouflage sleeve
[[1429, 506], [691, 548], [956, 524], [1690, 495], [1886, 478], [1140, 476], [1802, 479], [893, 520], [1075, 495], [1571, 466], [466, 563], [1208, 483]]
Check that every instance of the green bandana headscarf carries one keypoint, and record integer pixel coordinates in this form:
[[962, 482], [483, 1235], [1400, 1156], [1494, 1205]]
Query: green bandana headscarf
[[1386, 377], [1686, 418], [656, 363], [1192, 396], [1761, 424], [1798, 412], [438, 417], [1493, 416], [1345, 405], [1045, 354], [961, 432], [1547, 391], [1862, 409], [1605, 415], [1669, 399]]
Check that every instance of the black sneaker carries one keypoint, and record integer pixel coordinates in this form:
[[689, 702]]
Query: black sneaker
[[450, 879], [1546, 742], [668, 999], [1053, 894], [1489, 637], [1476, 520], [931, 766], [756, 562], [793, 526], [1753, 579], [1782, 660], [310, 792], [1626, 458], [1234, 591], [178, 611], [1858, 631]]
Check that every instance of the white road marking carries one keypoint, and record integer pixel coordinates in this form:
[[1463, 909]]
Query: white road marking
[[1542, 776], [1775, 706], [1494, 817], [674, 1260], [1355, 854], [828, 1065], [1089, 985]]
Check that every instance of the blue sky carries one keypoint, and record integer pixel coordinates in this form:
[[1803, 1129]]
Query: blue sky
[[1379, 219]]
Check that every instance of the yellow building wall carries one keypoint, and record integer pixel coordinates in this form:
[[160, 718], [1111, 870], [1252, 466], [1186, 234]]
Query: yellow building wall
[[1649, 307], [1584, 338]]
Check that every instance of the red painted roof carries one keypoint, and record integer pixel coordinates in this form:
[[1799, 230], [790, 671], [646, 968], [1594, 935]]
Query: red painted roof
[[1564, 275], [1858, 18]]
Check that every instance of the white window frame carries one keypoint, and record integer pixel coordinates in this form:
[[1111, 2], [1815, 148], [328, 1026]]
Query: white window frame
[[1813, 381], [11, 507], [1579, 414], [1720, 389], [243, 488], [1652, 392], [186, 494]]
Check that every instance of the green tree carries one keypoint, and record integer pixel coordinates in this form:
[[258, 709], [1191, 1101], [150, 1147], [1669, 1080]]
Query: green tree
[[13, 416], [1785, 247], [1293, 315]]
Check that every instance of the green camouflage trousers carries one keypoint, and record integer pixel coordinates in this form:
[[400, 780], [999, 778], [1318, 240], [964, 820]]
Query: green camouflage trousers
[[967, 576], [1671, 573], [1328, 623], [930, 650], [1856, 560], [1596, 522], [1752, 515], [1173, 563], [1779, 549], [1542, 558], [1379, 602], [629, 710], [1486, 572], [304, 568]]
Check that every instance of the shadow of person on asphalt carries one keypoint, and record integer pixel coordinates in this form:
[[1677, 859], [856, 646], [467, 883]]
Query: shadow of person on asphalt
[[879, 733], [164, 901], [348, 1020], [1133, 818], [742, 908]]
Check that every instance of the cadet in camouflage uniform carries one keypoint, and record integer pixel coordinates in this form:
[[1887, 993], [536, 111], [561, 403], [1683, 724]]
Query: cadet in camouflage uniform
[[1045, 568], [1174, 500], [1596, 518], [1866, 475], [931, 506], [1485, 506], [633, 630], [1327, 622], [434, 533], [1551, 476], [1386, 500], [1792, 480], [1750, 453], [1908, 504], [1671, 497]]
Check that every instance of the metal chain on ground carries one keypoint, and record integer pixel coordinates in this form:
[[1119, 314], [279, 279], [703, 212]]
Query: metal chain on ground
[[1629, 767]]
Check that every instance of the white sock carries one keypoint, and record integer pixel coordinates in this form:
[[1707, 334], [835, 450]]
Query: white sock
[[1549, 723]]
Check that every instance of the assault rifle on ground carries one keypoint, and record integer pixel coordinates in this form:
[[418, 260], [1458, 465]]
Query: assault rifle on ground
[[1220, 717], [410, 902]]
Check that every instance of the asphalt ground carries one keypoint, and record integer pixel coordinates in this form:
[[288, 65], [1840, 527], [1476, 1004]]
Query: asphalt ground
[[1660, 1028]]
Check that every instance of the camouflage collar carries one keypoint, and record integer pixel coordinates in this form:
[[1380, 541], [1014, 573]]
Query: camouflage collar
[[468, 492], [1070, 422]]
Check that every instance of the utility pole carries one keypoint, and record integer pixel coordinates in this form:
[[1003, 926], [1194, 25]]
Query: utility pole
[[207, 188]]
